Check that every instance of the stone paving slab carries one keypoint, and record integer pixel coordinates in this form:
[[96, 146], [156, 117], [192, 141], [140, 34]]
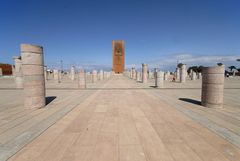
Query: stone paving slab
[[126, 125]]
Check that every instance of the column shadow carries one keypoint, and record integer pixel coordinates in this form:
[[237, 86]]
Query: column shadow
[[189, 100], [49, 99], [153, 86]]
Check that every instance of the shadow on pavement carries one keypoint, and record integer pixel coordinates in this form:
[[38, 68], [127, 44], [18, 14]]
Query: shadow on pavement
[[189, 100], [49, 99]]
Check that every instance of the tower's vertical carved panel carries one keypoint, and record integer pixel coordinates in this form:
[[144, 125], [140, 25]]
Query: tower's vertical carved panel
[[118, 56]]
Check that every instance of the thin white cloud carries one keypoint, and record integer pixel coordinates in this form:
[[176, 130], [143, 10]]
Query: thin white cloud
[[170, 62]]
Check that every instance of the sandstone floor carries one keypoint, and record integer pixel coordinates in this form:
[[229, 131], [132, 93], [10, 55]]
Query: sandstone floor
[[120, 120]]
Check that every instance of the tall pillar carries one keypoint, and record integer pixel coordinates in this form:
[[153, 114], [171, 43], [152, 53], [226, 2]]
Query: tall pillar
[[104, 75], [88, 77], [18, 72], [165, 76], [82, 79], [33, 73], [193, 76], [178, 74], [199, 75], [212, 86], [190, 73], [56, 75], [138, 76], [72, 73], [60, 75], [150, 74], [144, 73], [94, 76], [134, 74], [130, 74], [1, 73], [160, 79], [155, 76], [101, 74], [183, 73]]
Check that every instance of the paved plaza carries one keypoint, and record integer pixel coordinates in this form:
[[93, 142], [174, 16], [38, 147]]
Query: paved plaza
[[120, 119]]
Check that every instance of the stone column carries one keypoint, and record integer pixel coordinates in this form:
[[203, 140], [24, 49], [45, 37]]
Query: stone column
[[178, 74], [190, 73], [60, 75], [130, 74], [88, 77], [212, 86], [94, 76], [193, 77], [101, 75], [56, 75], [165, 76], [199, 75], [183, 74], [132, 70], [160, 79], [150, 74], [1, 73], [155, 76], [82, 79], [33, 73], [72, 73], [104, 75], [134, 74], [144, 73], [18, 71], [138, 76]]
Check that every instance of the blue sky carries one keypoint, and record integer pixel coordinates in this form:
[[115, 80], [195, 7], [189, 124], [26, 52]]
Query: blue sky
[[155, 31]]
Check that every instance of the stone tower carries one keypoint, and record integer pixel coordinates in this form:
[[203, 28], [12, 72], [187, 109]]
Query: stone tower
[[118, 56]]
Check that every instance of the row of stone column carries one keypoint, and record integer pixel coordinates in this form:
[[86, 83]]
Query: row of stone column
[[181, 74], [94, 75], [212, 81], [30, 74], [82, 76], [144, 75], [137, 75], [195, 75]]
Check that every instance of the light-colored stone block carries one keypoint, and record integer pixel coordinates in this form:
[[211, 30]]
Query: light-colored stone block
[[94, 76], [33, 73], [1, 73], [183, 74], [212, 86], [18, 71], [144, 73], [82, 79], [72, 73]]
